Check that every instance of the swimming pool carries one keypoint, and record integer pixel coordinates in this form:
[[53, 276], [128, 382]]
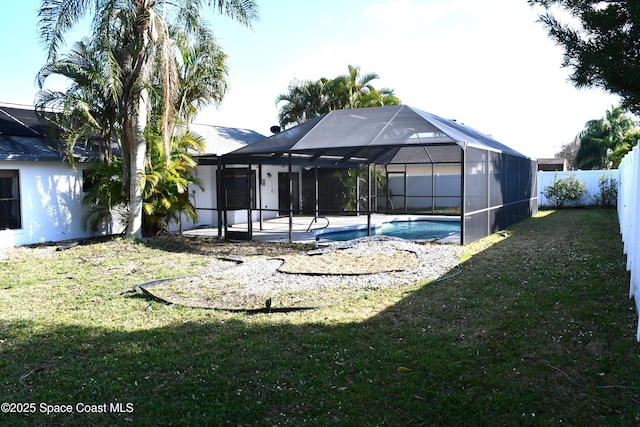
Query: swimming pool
[[419, 229]]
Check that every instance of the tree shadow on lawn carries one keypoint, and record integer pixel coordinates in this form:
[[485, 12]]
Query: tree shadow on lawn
[[215, 246], [534, 331], [544, 316]]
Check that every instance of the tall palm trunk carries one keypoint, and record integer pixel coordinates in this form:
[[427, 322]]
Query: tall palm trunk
[[136, 122], [136, 165]]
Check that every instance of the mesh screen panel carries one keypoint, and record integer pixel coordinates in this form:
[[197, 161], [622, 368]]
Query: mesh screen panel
[[420, 159]]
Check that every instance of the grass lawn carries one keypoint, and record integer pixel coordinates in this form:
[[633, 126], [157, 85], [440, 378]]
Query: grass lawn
[[536, 329]]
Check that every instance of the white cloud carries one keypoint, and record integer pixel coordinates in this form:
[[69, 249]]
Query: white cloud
[[406, 11], [326, 21]]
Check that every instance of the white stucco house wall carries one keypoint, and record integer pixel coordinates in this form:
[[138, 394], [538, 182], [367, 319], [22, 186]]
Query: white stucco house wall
[[41, 195]]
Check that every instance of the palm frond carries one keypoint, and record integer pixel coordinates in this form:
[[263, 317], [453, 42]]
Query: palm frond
[[56, 18], [243, 11]]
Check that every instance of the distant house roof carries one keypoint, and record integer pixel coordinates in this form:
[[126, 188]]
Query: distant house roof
[[222, 140], [551, 165]]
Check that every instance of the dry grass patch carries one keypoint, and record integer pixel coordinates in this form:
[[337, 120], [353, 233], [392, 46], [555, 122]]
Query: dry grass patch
[[206, 292]]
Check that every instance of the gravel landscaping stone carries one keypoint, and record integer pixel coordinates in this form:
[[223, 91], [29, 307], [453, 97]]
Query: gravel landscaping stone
[[369, 262]]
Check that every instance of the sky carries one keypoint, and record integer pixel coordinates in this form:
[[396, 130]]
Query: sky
[[487, 64]]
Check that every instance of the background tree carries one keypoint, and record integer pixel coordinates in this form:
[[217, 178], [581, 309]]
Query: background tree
[[603, 47], [357, 85], [568, 152], [135, 35], [361, 92], [603, 137], [305, 100], [308, 99], [630, 140], [202, 74]]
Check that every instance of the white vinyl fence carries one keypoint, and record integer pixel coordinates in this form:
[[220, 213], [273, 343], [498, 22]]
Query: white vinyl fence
[[591, 180], [629, 214]]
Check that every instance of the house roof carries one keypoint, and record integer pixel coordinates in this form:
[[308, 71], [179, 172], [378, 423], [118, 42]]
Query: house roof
[[23, 135], [25, 148], [221, 140], [557, 164], [21, 121], [391, 134], [554, 161]]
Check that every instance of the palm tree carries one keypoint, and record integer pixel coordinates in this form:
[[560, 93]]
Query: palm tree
[[358, 85], [89, 105], [202, 73], [377, 98], [307, 99], [135, 34], [593, 146], [602, 137], [630, 140], [167, 179]]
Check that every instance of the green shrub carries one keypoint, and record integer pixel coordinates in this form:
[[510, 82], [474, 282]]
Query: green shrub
[[564, 190], [608, 191]]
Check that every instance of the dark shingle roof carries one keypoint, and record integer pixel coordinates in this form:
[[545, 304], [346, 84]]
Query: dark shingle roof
[[21, 121], [23, 137], [26, 148]]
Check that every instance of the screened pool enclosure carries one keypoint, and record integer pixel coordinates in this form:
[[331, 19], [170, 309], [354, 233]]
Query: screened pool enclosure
[[383, 160]]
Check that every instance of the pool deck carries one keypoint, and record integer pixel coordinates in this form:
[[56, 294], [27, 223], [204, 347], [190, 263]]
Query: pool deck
[[277, 229]]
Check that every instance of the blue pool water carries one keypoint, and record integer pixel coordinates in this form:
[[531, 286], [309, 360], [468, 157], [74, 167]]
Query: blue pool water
[[411, 230]]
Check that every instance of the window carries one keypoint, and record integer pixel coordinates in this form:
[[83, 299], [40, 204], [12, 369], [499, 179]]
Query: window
[[240, 188], [88, 181], [9, 200]]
